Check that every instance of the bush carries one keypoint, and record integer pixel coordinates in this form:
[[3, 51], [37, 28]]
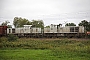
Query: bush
[[12, 37], [3, 39], [88, 36]]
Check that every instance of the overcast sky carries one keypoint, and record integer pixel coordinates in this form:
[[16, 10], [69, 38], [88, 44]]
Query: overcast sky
[[50, 11]]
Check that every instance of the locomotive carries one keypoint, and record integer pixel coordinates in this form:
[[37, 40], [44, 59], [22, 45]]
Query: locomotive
[[54, 31]]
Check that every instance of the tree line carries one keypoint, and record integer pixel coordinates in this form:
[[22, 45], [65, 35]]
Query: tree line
[[19, 22]]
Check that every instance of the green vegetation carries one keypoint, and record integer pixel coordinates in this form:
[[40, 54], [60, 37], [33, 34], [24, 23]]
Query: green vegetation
[[19, 22], [6, 24], [12, 37], [70, 24], [86, 25], [44, 49]]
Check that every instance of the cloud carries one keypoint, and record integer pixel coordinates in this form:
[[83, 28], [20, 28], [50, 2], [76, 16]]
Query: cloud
[[54, 11]]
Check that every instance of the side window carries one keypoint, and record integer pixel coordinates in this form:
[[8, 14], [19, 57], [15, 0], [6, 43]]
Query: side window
[[71, 29], [9, 30], [76, 29], [13, 30]]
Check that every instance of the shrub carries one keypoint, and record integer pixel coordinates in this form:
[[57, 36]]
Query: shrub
[[3, 39], [12, 37], [88, 36]]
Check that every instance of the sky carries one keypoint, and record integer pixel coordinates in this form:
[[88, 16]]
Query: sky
[[50, 11]]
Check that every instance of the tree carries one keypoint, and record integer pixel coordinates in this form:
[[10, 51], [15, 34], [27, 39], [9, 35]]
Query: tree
[[6, 24], [37, 23], [19, 22], [70, 24], [86, 25], [9, 26], [47, 27], [88, 28]]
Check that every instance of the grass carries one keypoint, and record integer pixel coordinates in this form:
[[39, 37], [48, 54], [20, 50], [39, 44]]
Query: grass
[[24, 54], [44, 49]]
